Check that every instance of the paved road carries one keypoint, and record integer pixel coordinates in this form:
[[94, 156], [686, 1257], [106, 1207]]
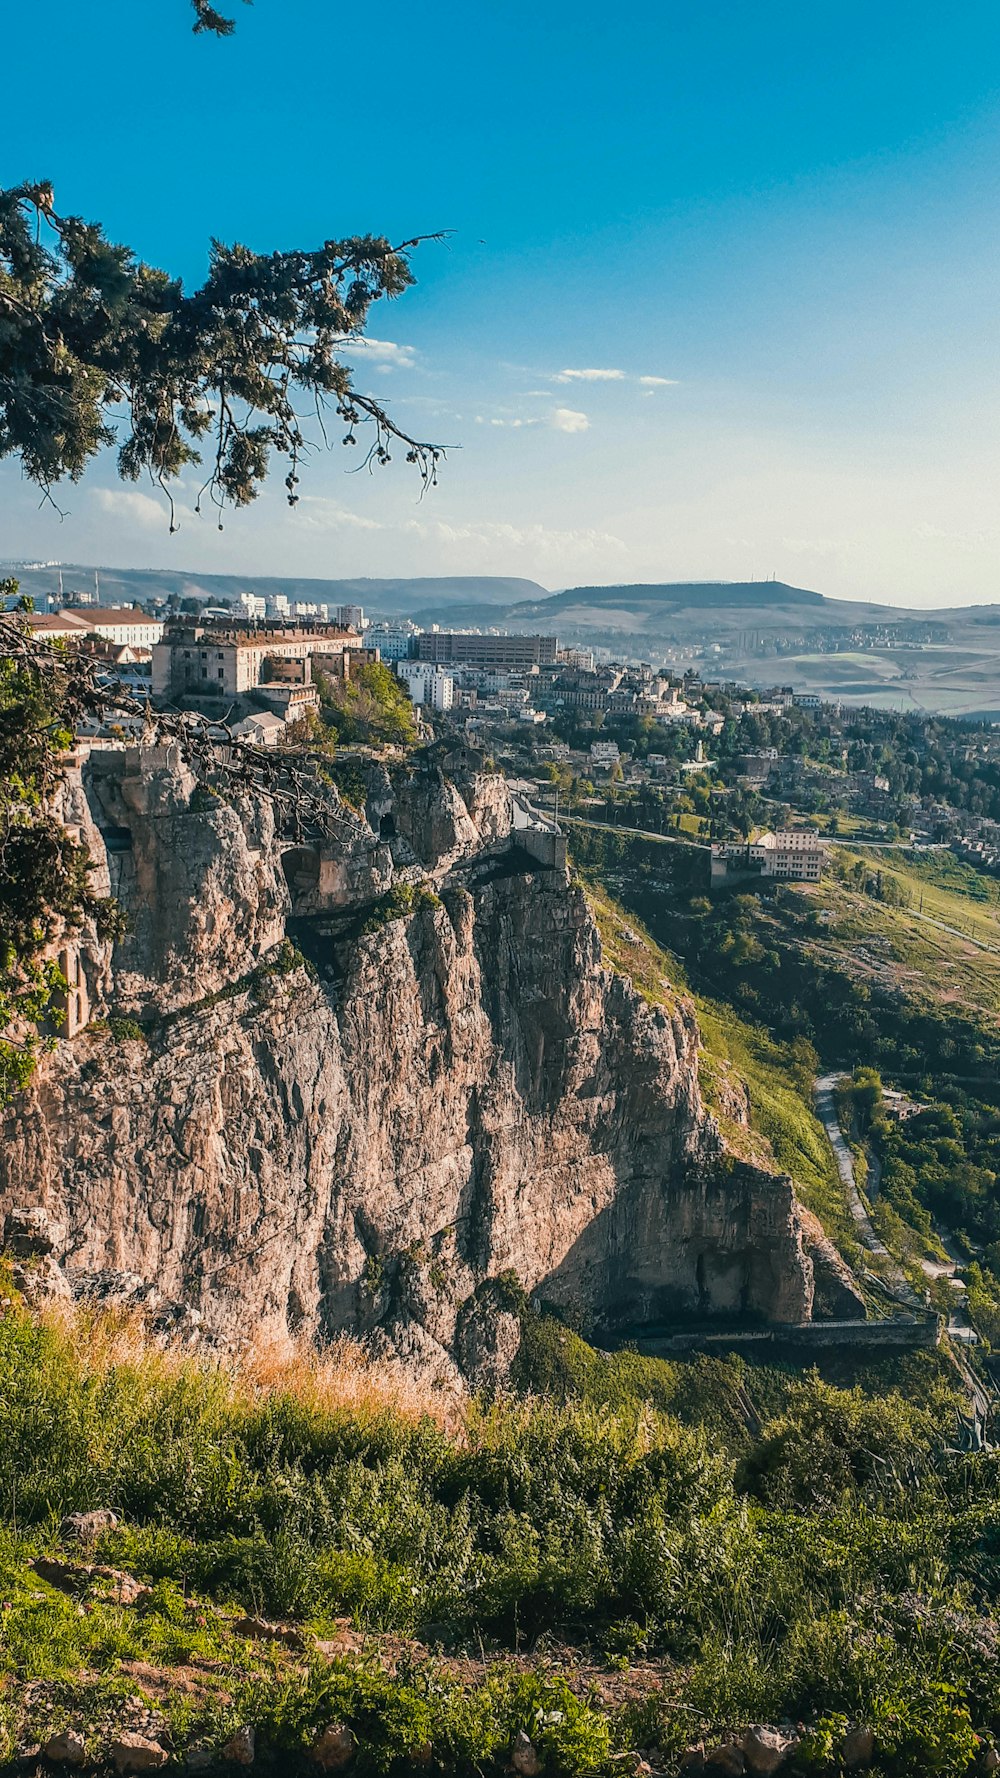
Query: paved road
[[642, 833], [827, 1109], [931, 1268]]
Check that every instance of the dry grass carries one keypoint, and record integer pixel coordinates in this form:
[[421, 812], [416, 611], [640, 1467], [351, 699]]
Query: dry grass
[[340, 1377]]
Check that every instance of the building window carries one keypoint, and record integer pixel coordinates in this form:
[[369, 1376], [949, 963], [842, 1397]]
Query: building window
[[204, 672], [222, 672]]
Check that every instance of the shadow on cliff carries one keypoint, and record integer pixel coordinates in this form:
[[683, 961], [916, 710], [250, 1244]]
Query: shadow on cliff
[[718, 1240]]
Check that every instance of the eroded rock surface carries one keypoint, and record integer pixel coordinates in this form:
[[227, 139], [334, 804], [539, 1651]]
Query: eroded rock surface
[[365, 1143]]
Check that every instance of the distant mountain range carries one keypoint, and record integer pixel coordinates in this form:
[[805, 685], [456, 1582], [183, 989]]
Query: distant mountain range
[[758, 631], [394, 598]]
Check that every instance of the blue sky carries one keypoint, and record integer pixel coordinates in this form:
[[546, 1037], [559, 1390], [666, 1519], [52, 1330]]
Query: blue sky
[[777, 225]]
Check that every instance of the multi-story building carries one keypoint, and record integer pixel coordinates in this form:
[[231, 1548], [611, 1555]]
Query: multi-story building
[[427, 684], [582, 658], [250, 665], [604, 753], [123, 626], [792, 855], [488, 650], [394, 641], [352, 617]]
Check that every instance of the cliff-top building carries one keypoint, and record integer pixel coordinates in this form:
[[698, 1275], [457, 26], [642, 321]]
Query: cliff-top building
[[254, 666]]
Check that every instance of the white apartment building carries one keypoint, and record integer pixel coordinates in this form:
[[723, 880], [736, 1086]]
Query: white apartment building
[[797, 853], [249, 605], [604, 753], [793, 855], [391, 640], [427, 684], [351, 616], [124, 626]]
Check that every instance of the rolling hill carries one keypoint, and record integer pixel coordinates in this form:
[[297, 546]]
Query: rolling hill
[[945, 660]]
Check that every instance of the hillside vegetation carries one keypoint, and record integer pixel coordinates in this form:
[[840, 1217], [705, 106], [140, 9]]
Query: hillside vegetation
[[740, 1067], [307, 1546]]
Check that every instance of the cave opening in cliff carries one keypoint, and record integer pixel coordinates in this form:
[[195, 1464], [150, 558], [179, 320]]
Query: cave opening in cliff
[[300, 865]]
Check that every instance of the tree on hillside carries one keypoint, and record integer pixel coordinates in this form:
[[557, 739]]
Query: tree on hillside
[[97, 348], [372, 705], [43, 873]]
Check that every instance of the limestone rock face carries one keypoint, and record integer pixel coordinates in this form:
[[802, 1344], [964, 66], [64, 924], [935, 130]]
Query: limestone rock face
[[444, 1098]]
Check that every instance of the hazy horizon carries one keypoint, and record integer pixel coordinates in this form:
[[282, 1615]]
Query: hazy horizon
[[67, 566]]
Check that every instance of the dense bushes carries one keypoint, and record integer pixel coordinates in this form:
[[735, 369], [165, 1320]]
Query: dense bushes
[[841, 1566], [370, 705]]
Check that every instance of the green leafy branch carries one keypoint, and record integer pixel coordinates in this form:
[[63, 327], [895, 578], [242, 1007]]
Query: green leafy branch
[[98, 348]]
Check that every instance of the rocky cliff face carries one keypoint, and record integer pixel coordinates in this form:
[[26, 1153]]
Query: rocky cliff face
[[451, 1089]]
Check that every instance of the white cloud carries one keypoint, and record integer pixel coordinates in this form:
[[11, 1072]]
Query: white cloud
[[566, 419], [591, 376], [140, 509], [386, 353], [326, 515], [658, 382], [486, 540], [515, 424]]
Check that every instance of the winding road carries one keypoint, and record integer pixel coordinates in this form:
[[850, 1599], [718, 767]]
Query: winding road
[[958, 1324], [827, 1109]]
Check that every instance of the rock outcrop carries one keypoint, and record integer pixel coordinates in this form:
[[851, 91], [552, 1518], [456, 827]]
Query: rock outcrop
[[443, 1086]]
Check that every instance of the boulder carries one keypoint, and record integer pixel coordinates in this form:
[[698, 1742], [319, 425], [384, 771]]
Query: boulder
[[333, 1748], [199, 1758], [134, 1753], [259, 1630], [28, 1232], [67, 1749], [239, 1750], [857, 1748], [524, 1756], [88, 1527], [41, 1280], [990, 1761], [766, 1749], [727, 1760], [693, 1757]]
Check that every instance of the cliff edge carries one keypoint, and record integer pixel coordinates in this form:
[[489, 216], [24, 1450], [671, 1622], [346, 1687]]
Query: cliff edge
[[356, 1083]]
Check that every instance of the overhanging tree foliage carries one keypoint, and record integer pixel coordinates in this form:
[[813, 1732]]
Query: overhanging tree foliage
[[46, 693], [207, 19], [43, 873], [97, 348]]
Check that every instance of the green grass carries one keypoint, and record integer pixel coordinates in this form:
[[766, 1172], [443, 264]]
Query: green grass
[[923, 961], [955, 894], [628, 948], [785, 1129], [822, 1555]]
